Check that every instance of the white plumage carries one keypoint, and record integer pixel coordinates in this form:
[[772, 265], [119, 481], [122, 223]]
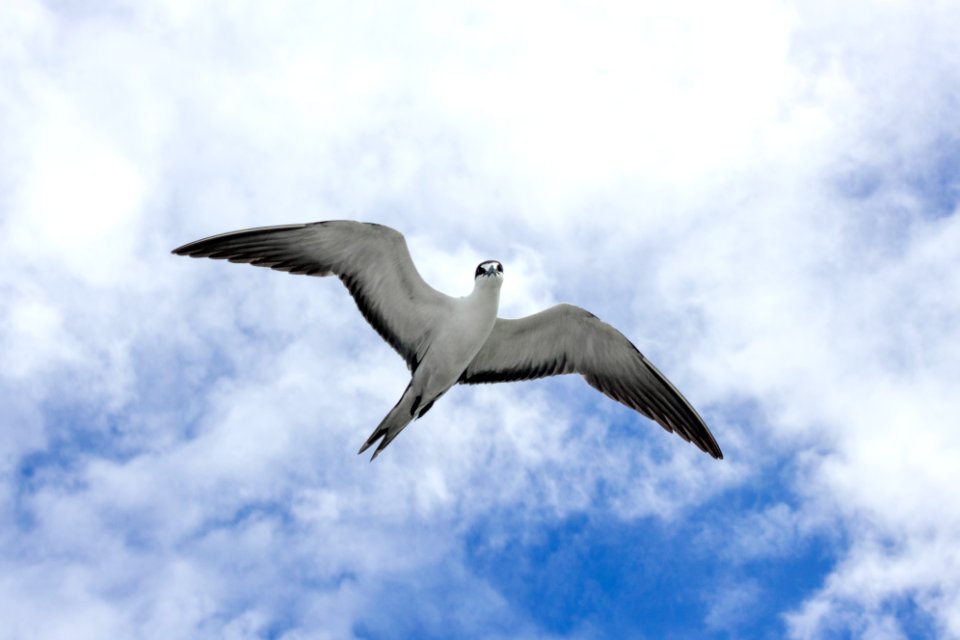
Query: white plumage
[[447, 340]]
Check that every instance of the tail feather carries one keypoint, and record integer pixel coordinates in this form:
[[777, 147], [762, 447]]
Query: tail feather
[[402, 414]]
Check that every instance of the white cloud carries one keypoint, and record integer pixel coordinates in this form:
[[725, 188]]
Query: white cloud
[[750, 200]]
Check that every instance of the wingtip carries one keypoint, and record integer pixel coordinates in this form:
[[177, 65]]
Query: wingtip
[[713, 447], [708, 446]]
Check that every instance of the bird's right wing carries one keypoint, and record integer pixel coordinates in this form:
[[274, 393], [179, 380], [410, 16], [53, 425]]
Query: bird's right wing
[[372, 261], [568, 339]]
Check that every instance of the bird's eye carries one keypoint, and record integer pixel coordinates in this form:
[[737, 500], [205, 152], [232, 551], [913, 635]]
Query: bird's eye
[[479, 271], [499, 267]]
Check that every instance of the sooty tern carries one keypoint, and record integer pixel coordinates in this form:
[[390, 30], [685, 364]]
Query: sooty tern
[[446, 340]]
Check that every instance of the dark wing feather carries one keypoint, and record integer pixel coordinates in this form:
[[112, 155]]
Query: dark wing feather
[[568, 339], [372, 261]]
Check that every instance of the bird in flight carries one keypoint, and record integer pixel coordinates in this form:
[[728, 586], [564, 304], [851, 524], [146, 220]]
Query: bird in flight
[[447, 340]]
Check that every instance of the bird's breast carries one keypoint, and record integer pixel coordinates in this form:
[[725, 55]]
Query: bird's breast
[[460, 336]]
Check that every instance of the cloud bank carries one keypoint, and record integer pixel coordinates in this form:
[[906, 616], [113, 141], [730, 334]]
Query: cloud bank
[[762, 196]]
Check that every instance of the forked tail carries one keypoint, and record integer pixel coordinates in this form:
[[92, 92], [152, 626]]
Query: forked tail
[[402, 414]]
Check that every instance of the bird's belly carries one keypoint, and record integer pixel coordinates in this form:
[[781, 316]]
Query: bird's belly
[[450, 354]]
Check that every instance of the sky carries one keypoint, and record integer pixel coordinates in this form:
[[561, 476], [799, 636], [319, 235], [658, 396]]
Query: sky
[[762, 195]]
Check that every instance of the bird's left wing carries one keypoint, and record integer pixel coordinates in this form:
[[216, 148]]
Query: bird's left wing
[[568, 339], [372, 260]]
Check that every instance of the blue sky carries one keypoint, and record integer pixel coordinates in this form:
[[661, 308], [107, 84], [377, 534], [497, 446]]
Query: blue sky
[[763, 196]]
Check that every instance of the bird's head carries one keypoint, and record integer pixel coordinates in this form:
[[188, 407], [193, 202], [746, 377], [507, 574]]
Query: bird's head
[[489, 269]]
